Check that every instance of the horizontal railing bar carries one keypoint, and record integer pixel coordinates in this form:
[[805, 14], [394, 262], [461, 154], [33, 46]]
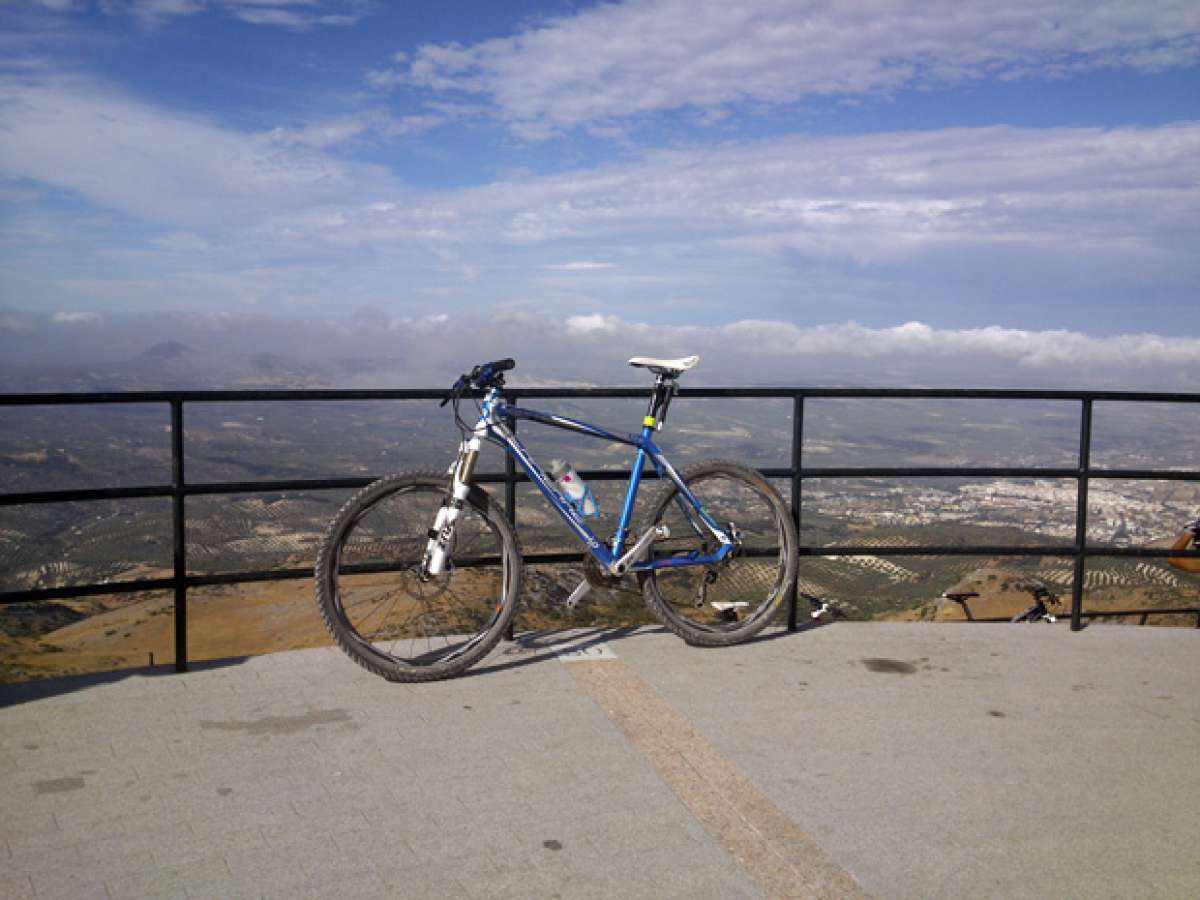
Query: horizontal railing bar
[[1148, 552], [71, 399], [208, 488], [994, 550], [86, 494], [937, 472], [322, 394], [974, 550], [221, 578], [1145, 474], [1108, 613], [38, 595], [303, 484]]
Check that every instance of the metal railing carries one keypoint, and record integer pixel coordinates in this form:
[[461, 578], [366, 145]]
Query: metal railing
[[181, 581]]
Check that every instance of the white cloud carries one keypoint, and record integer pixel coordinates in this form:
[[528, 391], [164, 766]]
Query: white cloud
[[1034, 349], [612, 61], [294, 15], [594, 348], [75, 318], [774, 342], [127, 155], [19, 326], [868, 201], [182, 242], [322, 134], [583, 265], [592, 324]]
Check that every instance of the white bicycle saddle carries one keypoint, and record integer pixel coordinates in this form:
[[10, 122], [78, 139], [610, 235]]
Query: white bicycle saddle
[[665, 366]]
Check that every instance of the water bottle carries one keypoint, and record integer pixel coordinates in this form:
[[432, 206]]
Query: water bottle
[[574, 488]]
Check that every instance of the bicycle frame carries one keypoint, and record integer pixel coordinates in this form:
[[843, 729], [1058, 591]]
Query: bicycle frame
[[494, 426]]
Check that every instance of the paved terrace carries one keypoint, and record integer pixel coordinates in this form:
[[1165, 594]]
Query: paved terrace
[[894, 760]]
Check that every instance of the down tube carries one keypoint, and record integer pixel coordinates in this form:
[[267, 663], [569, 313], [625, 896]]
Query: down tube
[[514, 447]]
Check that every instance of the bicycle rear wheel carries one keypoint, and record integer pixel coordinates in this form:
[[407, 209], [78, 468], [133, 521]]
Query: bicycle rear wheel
[[733, 600], [379, 609]]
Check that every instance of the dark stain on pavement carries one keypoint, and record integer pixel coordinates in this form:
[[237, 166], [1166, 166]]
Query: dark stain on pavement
[[280, 725], [890, 666], [552, 845], [57, 785]]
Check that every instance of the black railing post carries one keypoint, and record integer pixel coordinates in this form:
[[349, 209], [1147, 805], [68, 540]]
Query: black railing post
[[797, 495], [179, 554], [1081, 509], [510, 507]]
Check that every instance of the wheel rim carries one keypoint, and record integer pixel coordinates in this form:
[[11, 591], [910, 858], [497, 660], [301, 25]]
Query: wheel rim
[[393, 615], [754, 575]]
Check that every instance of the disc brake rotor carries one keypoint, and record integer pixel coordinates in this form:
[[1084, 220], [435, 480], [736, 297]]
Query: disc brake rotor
[[425, 588]]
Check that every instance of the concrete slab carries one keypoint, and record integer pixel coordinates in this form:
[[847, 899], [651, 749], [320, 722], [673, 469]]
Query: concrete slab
[[922, 760]]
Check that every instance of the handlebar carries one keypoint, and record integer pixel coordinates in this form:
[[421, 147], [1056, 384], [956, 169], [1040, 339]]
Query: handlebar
[[489, 370], [483, 376], [1040, 592]]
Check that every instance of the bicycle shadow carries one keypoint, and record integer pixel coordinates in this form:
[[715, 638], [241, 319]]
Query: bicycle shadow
[[535, 647]]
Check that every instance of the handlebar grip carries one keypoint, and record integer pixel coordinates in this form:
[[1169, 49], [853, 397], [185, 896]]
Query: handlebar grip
[[484, 371], [502, 365]]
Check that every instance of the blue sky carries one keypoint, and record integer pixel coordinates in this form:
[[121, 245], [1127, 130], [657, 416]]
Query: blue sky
[[1026, 169]]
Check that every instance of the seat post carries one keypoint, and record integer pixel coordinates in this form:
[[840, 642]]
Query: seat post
[[660, 399]]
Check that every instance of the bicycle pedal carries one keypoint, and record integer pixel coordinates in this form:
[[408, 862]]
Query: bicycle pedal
[[728, 609]]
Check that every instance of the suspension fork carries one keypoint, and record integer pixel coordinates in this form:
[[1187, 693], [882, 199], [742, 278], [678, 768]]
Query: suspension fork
[[461, 472]]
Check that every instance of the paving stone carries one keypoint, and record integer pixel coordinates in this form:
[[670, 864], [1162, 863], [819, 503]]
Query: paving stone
[[276, 866], [185, 846], [375, 847], [96, 890], [15, 886], [340, 883], [429, 880], [31, 852], [171, 881], [64, 879]]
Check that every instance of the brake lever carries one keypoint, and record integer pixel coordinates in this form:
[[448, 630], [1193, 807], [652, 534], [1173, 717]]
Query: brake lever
[[455, 390]]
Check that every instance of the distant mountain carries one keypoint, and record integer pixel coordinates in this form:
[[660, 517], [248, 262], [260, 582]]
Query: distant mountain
[[167, 350]]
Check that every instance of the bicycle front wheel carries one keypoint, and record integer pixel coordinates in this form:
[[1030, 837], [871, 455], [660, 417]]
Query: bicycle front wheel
[[378, 607], [732, 600]]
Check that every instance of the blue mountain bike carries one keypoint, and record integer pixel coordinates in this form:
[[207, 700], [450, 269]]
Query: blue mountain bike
[[419, 573]]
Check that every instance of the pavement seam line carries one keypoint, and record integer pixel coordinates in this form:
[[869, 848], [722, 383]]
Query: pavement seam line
[[772, 850]]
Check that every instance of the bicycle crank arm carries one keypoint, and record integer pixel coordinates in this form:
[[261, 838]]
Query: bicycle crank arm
[[578, 594], [657, 533]]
